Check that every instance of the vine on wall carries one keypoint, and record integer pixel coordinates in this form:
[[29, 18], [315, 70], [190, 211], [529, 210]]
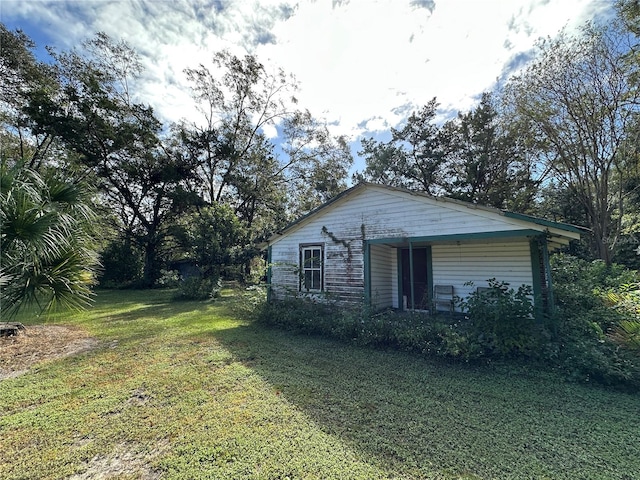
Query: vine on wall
[[346, 244]]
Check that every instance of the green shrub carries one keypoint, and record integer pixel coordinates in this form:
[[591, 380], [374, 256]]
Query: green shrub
[[501, 321], [409, 331], [497, 324], [586, 354], [626, 301], [595, 303], [198, 288], [579, 286], [122, 264], [627, 334]]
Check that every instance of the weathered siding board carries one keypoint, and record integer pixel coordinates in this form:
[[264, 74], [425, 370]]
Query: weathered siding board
[[382, 276], [374, 213], [284, 269], [393, 214], [344, 279], [343, 262], [477, 262]]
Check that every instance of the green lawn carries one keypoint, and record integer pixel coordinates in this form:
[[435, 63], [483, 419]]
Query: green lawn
[[191, 390]]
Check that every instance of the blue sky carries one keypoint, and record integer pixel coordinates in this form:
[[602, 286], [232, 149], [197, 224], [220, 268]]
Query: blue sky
[[362, 65]]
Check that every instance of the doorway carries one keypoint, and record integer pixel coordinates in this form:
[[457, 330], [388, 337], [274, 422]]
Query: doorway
[[418, 297]]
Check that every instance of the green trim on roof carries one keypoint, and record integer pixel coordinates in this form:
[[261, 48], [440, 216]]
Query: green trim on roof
[[545, 223], [459, 236]]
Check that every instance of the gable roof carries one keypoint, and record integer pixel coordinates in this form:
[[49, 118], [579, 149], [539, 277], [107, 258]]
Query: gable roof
[[571, 230]]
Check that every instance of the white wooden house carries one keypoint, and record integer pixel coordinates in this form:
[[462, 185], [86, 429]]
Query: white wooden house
[[395, 249]]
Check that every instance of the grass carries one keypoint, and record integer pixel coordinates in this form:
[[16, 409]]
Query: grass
[[193, 390]]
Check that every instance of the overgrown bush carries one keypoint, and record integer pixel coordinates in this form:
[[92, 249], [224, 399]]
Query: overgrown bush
[[626, 301], [198, 288], [578, 287], [589, 341], [580, 339], [477, 334], [501, 320]]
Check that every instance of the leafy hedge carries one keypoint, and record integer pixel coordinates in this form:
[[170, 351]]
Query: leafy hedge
[[478, 333]]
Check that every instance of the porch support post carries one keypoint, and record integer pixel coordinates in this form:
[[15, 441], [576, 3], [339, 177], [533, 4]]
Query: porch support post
[[366, 247], [547, 272], [429, 276], [413, 296], [269, 256], [399, 278], [538, 300]]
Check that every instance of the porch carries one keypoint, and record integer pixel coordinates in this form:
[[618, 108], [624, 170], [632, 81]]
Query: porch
[[407, 273]]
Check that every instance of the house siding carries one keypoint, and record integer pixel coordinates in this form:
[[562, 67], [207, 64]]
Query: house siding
[[477, 262], [384, 272], [390, 214], [343, 266]]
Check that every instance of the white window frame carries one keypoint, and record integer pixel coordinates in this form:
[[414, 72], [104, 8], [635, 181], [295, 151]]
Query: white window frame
[[312, 267]]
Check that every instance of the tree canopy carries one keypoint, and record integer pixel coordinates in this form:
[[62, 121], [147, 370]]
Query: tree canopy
[[80, 112], [580, 108]]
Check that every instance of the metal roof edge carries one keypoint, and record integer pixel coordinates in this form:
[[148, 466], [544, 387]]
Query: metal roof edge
[[546, 223]]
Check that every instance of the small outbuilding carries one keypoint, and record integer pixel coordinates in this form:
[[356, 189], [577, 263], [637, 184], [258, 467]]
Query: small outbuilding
[[395, 248]]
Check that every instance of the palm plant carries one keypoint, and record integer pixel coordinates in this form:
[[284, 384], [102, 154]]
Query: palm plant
[[627, 302], [46, 255]]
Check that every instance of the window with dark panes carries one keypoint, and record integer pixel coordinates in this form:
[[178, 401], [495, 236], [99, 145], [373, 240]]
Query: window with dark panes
[[311, 268]]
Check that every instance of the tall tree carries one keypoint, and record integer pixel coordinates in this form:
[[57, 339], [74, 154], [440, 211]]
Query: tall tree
[[237, 106], [475, 157], [141, 179], [241, 102], [413, 158], [629, 11], [47, 247], [487, 163], [23, 79], [316, 163], [579, 103], [208, 238]]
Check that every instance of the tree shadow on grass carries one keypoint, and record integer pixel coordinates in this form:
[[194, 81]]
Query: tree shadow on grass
[[420, 418]]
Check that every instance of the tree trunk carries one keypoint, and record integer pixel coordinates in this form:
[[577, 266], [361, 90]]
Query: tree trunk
[[151, 272]]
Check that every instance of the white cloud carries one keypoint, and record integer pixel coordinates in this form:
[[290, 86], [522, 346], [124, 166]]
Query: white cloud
[[363, 60], [363, 64]]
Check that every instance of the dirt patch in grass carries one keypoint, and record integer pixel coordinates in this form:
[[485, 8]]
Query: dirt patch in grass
[[122, 462], [37, 343]]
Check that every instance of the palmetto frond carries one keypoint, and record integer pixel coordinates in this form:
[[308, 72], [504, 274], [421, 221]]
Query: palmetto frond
[[45, 256]]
